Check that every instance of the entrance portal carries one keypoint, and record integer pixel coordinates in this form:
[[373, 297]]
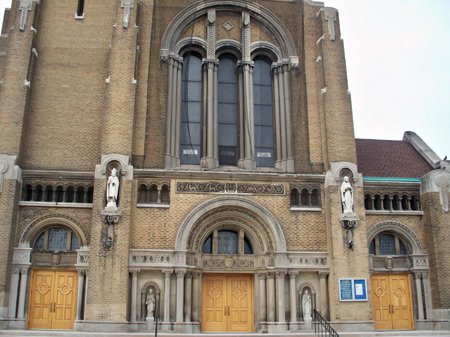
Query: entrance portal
[[227, 303], [392, 307], [53, 297]]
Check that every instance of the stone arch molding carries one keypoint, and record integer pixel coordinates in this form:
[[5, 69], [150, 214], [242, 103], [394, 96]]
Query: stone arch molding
[[398, 228], [37, 226], [231, 201], [262, 14]]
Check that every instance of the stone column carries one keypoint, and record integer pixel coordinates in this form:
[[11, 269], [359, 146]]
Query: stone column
[[180, 295], [81, 273], [22, 292], [169, 130], [270, 297], [177, 127], [280, 297], [293, 296], [134, 274], [167, 274], [427, 294], [262, 297], [187, 297], [14, 291], [276, 105], [323, 294], [196, 297], [287, 107], [418, 277]]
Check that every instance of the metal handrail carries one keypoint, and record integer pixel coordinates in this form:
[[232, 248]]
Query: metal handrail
[[322, 327]]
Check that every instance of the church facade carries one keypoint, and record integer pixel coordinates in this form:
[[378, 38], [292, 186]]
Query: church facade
[[193, 164]]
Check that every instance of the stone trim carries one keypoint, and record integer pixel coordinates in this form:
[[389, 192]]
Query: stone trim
[[236, 201], [232, 188], [38, 225], [400, 229]]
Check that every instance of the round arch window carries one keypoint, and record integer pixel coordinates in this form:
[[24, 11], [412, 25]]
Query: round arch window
[[227, 243], [57, 238], [387, 244]]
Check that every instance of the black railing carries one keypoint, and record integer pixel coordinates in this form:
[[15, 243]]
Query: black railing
[[322, 327]]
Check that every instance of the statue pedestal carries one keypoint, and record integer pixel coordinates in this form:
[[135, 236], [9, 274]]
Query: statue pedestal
[[308, 323], [111, 215], [149, 323]]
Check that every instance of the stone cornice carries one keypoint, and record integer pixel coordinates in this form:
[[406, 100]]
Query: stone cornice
[[58, 174]]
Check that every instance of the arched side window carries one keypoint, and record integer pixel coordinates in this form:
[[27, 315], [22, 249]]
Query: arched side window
[[191, 110], [57, 238], [227, 110], [227, 242], [263, 112], [387, 244]]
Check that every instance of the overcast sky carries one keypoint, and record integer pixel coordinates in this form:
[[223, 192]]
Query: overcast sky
[[398, 63]]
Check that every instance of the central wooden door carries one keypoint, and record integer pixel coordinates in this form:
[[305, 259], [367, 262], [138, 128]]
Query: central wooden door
[[52, 299], [227, 303], [392, 307]]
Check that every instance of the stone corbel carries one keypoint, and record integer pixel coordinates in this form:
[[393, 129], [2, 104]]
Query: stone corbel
[[9, 169], [22, 256], [127, 5]]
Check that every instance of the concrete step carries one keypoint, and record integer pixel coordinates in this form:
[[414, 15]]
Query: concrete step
[[66, 333]]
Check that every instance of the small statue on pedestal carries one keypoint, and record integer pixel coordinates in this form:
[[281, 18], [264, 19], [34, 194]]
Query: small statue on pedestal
[[112, 189]]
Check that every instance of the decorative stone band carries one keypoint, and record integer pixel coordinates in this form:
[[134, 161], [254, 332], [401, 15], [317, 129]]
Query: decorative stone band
[[230, 188], [153, 259]]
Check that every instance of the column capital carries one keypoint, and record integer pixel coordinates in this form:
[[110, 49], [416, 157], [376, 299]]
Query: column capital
[[135, 272], [167, 272], [180, 273], [196, 275], [281, 273], [262, 276], [293, 274], [23, 270], [323, 274], [82, 272], [270, 276]]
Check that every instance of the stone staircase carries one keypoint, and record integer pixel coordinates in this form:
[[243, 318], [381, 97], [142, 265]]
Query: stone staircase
[[65, 333]]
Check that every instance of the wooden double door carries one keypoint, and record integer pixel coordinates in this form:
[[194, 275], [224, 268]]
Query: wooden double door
[[53, 296], [227, 303], [392, 306]]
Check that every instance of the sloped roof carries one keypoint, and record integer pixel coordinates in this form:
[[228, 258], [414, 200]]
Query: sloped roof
[[389, 158]]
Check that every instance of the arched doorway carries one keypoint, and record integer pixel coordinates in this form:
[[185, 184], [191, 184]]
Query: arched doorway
[[399, 276]]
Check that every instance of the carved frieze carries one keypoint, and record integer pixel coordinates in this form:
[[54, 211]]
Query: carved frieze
[[239, 188], [149, 258]]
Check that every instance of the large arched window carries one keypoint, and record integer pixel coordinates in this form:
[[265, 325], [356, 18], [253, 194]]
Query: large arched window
[[57, 238], [263, 113], [191, 110], [227, 110]]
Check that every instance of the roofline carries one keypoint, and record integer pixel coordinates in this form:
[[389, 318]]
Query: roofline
[[424, 150]]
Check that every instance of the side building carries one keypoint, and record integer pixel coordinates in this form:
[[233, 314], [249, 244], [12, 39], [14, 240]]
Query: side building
[[196, 162]]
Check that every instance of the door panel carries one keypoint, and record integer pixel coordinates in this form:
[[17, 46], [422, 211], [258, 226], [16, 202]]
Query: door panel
[[392, 307], [227, 303], [52, 299]]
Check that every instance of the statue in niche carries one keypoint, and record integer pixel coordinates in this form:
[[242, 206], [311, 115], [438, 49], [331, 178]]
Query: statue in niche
[[347, 196], [150, 303], [112, 189], [306, 303]]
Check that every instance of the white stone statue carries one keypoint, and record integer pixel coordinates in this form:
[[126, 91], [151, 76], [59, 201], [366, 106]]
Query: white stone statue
[[347, 196], [306, 302], [150, 303], [112, 189]]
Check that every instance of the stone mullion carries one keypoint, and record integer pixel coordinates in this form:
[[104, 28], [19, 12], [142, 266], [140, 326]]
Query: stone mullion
[[159, 188], [147, 193], [276, 104], [216, 114], [178, 112], [168, 155], [281, 92], [173, 118], [241, 115], [287, 106], [249, 127]]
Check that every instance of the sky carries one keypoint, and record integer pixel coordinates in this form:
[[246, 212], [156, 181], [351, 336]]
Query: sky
[[398, 67]]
